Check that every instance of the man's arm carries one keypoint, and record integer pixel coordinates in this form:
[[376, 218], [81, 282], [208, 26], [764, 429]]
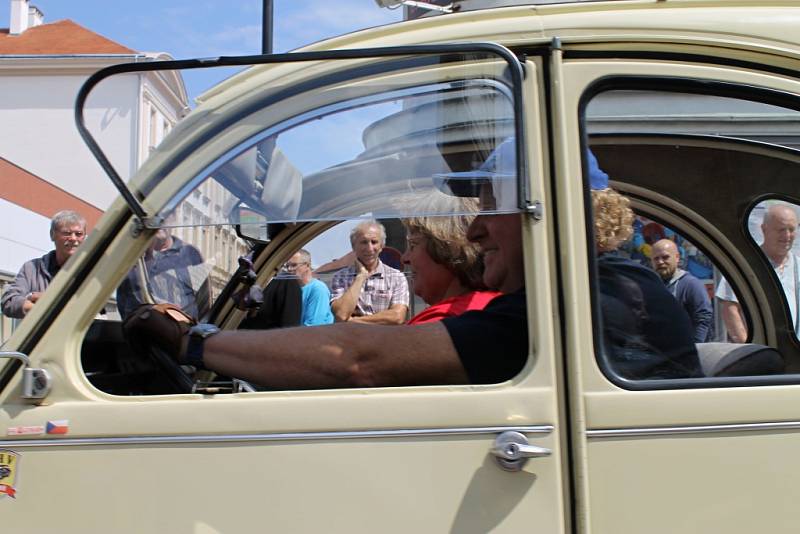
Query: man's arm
[[344, 306], [734, 322], [397, 311], [395, 314], [15, 301], [339, 355]]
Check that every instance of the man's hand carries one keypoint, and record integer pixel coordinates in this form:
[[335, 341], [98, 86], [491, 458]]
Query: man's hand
[[30, 300], [361, 271], [163, 325], [344, 306]]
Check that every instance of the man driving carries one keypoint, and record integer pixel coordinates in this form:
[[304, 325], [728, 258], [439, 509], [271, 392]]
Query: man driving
[[486, 346]]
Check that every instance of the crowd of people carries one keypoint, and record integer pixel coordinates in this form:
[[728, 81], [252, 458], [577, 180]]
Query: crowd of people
[[467, 268]]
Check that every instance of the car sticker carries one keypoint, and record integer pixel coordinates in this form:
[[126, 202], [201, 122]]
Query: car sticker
[[32, 430], [9, 464], [60, 426]]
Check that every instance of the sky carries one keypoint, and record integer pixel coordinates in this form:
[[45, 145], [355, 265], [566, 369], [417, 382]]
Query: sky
[[208, 28]]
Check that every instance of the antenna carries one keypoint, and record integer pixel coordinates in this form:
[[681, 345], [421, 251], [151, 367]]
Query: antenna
[[394, 4]]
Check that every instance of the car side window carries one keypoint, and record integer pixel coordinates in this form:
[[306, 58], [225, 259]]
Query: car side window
[[692, 194], [409, 167]]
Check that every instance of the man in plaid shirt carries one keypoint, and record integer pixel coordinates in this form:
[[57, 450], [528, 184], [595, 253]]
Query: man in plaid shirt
[[369, 291]]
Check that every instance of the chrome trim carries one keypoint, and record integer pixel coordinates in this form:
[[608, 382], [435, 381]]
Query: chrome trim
[[697, 429], [289, 436]]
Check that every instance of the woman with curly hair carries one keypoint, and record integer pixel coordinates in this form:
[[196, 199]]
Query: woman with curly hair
[[613, 219], [447, 268]]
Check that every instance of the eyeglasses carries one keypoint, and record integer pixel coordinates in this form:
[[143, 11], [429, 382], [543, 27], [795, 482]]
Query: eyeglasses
[[289, 266]]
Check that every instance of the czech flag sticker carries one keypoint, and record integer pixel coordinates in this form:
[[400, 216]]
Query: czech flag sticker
[[58, 427]]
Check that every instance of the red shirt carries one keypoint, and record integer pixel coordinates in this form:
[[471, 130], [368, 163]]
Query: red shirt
[[450, 307]]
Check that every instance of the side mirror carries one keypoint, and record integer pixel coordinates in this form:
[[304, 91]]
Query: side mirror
[[250, 225]]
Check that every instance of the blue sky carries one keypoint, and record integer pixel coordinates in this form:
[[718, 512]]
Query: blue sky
[[207, 28]]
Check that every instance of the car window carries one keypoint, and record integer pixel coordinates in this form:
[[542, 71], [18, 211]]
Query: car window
[[227, 251], [695, 167]]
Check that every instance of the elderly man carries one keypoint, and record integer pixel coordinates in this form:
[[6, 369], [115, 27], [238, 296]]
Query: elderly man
[[779, 227], [316, 307], [67, 231], [687, 289], [369, 291]]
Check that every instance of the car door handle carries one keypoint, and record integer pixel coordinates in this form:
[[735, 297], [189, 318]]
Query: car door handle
[[512, 450]]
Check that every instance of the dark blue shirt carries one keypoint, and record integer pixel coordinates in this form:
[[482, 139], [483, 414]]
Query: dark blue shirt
[[692, 295]]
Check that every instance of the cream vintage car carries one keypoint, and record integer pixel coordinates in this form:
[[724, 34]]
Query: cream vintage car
[[691, 107]]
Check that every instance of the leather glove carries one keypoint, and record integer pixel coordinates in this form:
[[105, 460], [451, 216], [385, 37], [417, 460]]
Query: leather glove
[[164, 325]]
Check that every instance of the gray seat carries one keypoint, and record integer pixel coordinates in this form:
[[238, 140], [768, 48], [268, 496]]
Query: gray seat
[[739, 359]]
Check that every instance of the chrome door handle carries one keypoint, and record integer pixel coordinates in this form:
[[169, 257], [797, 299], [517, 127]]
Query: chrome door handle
[[512, 450], [36, 383]]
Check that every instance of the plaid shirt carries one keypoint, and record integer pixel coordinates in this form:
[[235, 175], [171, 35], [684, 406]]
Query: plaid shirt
[[384, 287]]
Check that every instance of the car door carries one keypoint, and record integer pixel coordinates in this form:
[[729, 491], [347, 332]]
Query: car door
[[698, 143], [156, 457]]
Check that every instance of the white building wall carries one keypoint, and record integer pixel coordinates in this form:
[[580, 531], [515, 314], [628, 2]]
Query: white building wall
[[23, 235], [38, 133]]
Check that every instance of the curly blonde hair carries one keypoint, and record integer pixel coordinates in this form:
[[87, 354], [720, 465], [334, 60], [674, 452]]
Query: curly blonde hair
[[613, 219]]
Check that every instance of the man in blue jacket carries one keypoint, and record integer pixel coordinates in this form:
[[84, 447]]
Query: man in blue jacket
[[67, 231], [689, 291]]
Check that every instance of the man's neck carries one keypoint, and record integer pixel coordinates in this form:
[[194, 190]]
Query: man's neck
[[675, 274], [371, 268], [61, 260], [778, 258]]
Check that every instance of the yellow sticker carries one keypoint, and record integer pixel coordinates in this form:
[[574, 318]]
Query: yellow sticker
[[9, 464]]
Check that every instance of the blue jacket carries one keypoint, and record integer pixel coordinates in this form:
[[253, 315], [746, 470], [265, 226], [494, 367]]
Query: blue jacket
[[693, 296]]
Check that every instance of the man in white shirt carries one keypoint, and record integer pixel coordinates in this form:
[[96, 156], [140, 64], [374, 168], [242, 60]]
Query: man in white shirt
[[779, 227]]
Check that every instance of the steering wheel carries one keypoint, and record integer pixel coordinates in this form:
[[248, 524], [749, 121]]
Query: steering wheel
[[171, 370]]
